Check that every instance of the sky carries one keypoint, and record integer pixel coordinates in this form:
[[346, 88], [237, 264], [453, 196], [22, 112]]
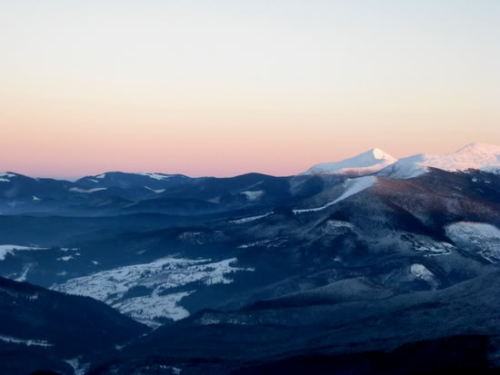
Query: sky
[[225, 87]]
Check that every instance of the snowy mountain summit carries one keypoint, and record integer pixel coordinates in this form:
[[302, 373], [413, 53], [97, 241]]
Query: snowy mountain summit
[[480, 156], [366, 163], [472, 156]]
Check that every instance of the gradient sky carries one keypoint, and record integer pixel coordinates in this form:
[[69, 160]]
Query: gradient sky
[[223, 87]]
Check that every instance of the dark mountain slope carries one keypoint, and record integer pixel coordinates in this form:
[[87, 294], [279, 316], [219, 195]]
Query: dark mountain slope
[[49, 327], [269, 337]]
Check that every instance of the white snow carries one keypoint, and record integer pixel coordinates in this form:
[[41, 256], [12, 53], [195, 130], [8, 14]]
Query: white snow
[[65, 249], [10, 249], [5, 176], [78, 367], [249, 219], [215, 200], [368, 162], [65, 258], [24, 274], [491, 169], [472, 156], [409, 167], [434, 248], [481, 237], [426, 245], [157, 191], [419, 271], [269, 243], [253, 195], [352, 186], [85, 191], [15, 340], [333, 226], [157, 176], [254, 244], [156, 279], [149, 309]]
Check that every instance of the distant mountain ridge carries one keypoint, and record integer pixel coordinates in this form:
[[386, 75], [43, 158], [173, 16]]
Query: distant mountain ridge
[[472, 156], [120, 192]]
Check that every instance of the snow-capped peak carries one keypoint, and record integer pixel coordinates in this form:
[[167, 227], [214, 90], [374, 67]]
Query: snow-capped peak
[[483, 151], [366, 163], [472, 156], [379, 154]]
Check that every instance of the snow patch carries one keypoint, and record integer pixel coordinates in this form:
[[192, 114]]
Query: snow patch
[[65, 258], [157, 176], [275, 242], [254, 244], [253, 195], [65, 249], [419, 271], [85, 191], [155, 281], [249, 219], [352, 187], [480, 237], [10, 249], [491, 169], [24, 273], [427, 246], [157, 191], [15, 340], [368, 162], [78, 367], [337, 227], [150, 310], [5, 176]]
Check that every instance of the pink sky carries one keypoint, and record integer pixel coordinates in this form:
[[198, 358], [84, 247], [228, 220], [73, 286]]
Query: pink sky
[[211, 145], [223, 88]]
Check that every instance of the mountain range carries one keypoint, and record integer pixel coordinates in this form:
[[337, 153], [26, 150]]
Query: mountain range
[[117, 192], [370, 265], [471, 156]]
